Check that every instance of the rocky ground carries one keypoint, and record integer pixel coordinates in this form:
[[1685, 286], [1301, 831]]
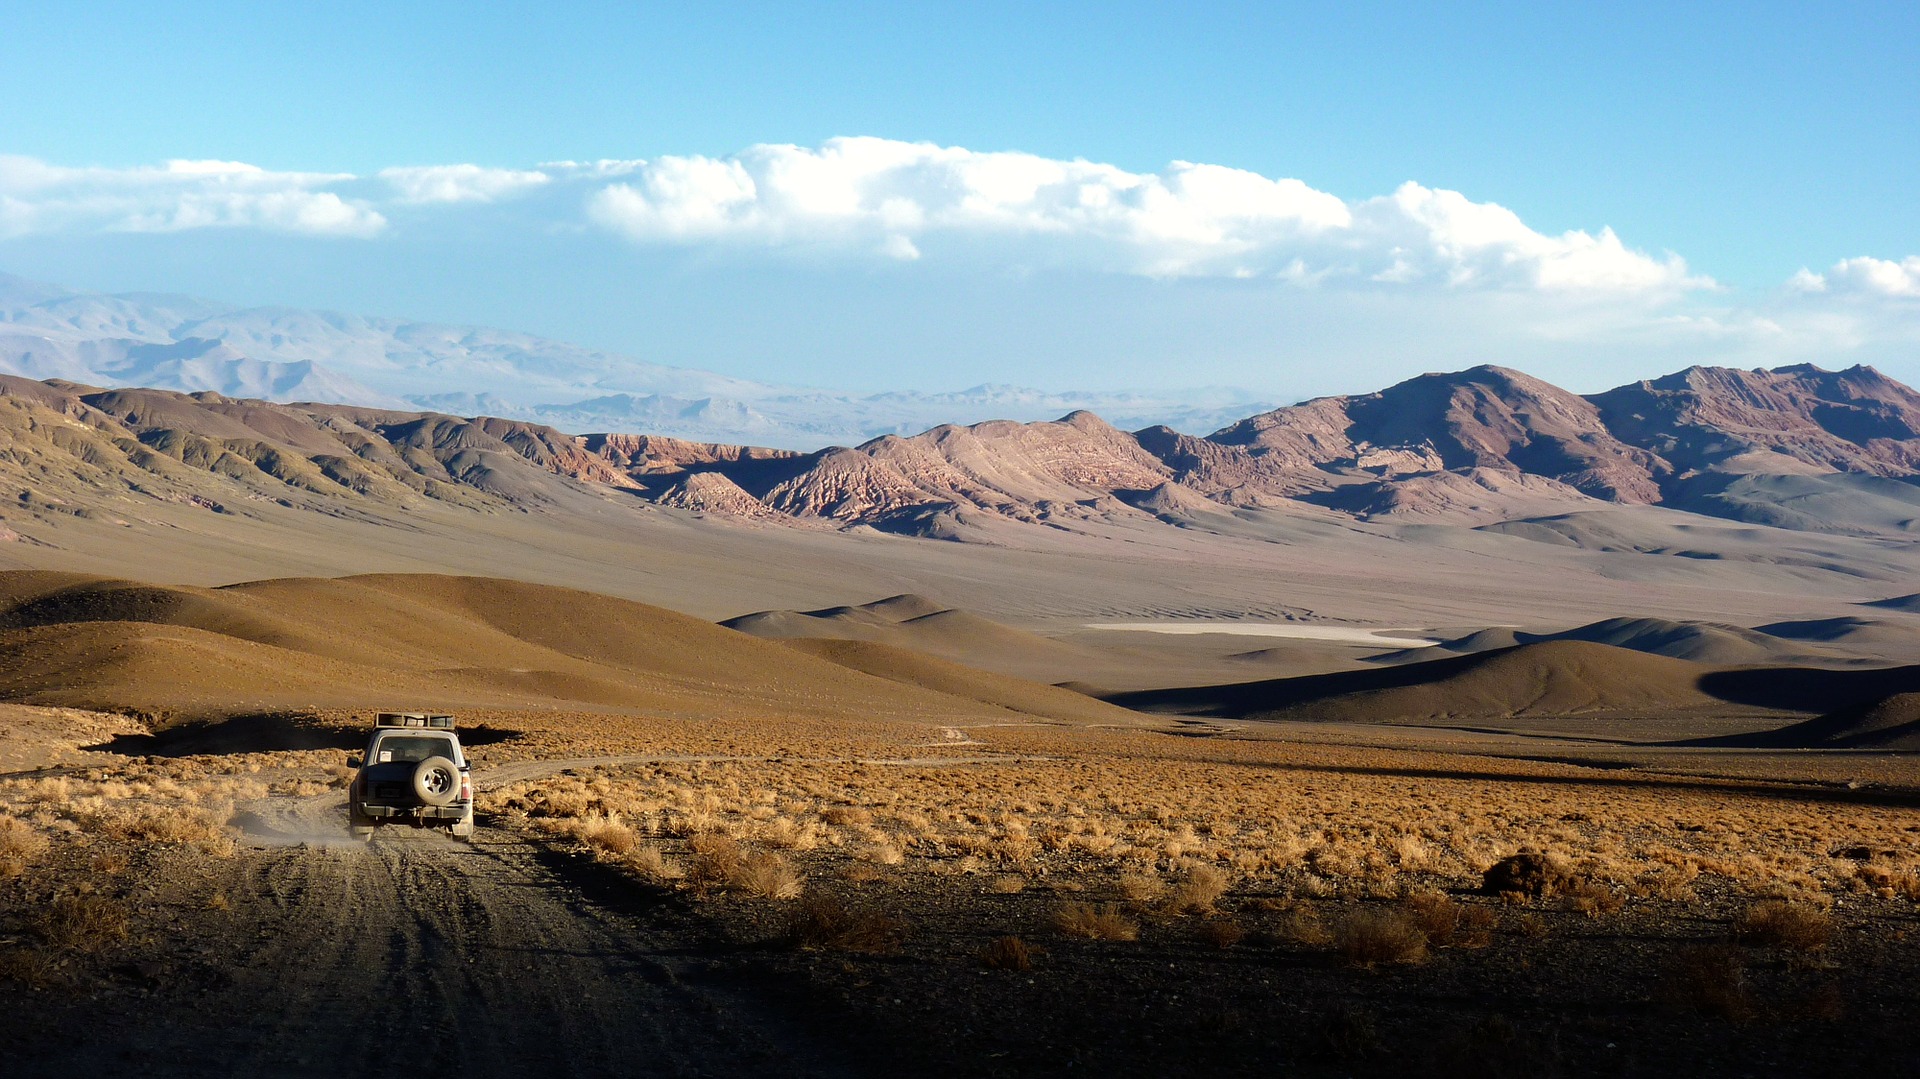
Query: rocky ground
[[296, 951]]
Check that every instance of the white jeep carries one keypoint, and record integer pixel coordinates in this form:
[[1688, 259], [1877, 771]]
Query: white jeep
[[413, 772]]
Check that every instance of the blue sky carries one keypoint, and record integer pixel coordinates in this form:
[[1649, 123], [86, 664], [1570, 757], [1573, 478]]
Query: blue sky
[[1726, 147]]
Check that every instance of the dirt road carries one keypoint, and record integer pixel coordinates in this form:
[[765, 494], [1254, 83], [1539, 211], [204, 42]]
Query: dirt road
[[420, 955]]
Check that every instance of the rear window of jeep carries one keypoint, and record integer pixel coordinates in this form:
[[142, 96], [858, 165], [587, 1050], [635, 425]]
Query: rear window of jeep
[[410, 749]]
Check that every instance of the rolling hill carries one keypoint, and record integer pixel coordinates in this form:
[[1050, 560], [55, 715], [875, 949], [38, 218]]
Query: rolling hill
[[383, 641]]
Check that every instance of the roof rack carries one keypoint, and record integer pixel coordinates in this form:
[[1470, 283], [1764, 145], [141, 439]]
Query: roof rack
[[414, 719]]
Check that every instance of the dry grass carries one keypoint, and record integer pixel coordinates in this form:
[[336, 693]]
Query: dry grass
[[1197, 891], [1371, 938], [824, 922], [1710, 980], [769, 876], [20, 846], [1089, 921], [29, 967], [1221, 933], [83, 923], [605, 832], [1153, 811], [1008, 953], [1141, 888], [1780, 923], [1303, 928]]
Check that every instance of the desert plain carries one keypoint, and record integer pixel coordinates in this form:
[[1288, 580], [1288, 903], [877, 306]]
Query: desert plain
[[1524, 739]]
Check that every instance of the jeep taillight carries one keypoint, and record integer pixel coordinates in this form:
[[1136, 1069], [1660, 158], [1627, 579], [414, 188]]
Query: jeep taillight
[[466, 787]]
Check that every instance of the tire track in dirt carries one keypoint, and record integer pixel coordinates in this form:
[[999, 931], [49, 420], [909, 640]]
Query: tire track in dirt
[[418, 954]]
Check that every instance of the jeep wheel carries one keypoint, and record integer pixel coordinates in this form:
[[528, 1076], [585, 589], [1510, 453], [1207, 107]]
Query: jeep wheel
[[436, 781]]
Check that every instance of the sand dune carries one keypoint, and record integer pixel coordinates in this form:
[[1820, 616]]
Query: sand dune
[[1873, 633], [1714, 643], [1551, 678], [927, 672], [1890, 723], [427, 640], [1909, 603], [924, 625]]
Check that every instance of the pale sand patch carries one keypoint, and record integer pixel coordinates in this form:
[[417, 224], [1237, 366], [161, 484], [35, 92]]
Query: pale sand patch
[[1342, 634]]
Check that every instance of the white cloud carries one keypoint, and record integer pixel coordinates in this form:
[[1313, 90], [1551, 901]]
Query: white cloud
[[896, 198], [460, 183], [36, 197], [1864, 277]]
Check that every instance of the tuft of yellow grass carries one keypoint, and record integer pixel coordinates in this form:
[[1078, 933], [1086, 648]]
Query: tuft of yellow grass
[[1782, 923], [1371, 938], [83, 923], [1008, 953], [1094, 922], [824, 922], [21, 844], [1197, 891]]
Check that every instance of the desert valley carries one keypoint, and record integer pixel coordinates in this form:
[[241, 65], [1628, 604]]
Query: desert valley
[[1469, 726]]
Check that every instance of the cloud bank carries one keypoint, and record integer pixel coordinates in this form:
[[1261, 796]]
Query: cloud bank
[[1865, 277], [1415, 254], [872, 198], [38, 198], [1189, 220]]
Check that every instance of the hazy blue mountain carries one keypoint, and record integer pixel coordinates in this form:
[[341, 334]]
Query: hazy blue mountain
[[291, 354]]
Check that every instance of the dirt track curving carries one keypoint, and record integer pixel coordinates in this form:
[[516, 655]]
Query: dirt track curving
[[421, 954]]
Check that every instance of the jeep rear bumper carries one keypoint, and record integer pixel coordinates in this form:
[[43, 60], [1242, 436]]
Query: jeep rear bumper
[[453, 812]]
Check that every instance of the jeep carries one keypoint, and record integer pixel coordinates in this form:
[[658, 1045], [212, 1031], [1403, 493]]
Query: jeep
[[413, 772]]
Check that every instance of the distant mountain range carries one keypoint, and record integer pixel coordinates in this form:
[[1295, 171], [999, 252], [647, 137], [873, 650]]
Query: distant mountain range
[[286, 354], [1799, 448]]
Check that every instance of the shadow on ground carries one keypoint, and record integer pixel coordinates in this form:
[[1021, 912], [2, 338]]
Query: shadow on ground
[[270, 732]]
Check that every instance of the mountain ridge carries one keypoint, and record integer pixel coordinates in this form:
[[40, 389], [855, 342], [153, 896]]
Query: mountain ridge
[[1801, 447], [289, 355]]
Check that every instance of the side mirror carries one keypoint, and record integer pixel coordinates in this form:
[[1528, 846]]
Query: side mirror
[[353, 762]]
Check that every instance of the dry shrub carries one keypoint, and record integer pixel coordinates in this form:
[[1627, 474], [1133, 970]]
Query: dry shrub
[[83, 923], [716, 860], [1141, 887], [606, 833], [1090, 922], [20, 846], [218, 901], [1450, 924], [1007, 884], [826, 923], [1591, 898], [29, 967], [1710, 980], [1437, 916], [173, 825], [1781, 923], [1370, 938], [1221, 933], [110, 862], [1301, 926], [561, 804], [649, 862], [1197, 892], [769, 876], [1008, 953], [1527, 875], [860, 873]]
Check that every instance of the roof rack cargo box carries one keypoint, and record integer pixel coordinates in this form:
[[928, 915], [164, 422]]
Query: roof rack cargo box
[[415, 719]]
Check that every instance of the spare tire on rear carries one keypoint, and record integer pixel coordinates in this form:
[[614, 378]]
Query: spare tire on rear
[[436, 781]]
